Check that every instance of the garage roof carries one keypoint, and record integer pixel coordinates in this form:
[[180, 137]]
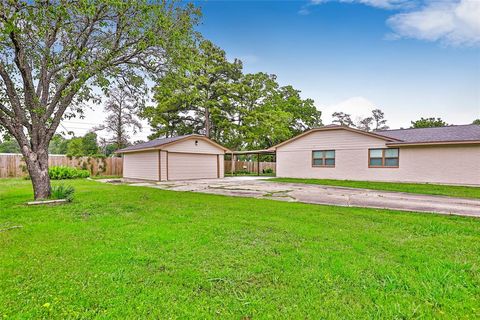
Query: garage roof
[[156, 143]]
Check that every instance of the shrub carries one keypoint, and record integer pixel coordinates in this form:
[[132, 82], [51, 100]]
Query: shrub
[[267, 170], [62, 192], [61, 172]]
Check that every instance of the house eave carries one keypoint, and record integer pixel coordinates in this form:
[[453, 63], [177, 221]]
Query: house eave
[[137, 150]]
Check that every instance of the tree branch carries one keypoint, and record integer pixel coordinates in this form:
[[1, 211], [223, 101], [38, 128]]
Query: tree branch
[[43, 85], [13, 97], [59, 114], [25, 70], [6, 111], [86, 32]]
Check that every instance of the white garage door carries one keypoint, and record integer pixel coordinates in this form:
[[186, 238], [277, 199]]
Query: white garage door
[[141, 165], [184, 166]]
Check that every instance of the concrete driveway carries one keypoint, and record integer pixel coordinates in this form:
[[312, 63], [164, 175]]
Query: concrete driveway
[[256, 187]]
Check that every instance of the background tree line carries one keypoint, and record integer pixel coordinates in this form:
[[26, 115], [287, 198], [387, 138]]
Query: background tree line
[[87, 145], [377, 121], [210, 95]]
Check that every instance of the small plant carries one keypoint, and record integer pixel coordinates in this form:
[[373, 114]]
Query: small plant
[[62, 192], [61, 173], [267, 170]]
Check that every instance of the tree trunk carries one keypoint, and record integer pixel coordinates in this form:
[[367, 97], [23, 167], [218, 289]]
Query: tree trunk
[[207, 123], [37, 166]]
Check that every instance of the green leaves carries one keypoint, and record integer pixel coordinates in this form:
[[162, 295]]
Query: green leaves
[[63, 173], [73, 46], [428, 123], [208, 94], [66, 192], [83, 146]]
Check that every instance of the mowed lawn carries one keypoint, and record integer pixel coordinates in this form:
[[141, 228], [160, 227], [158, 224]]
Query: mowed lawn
[[134, 252], [421, 188]]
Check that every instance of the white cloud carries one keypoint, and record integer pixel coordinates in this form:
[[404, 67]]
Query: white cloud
[[453, 23], [304, 11], [384, 4], [358, 107]]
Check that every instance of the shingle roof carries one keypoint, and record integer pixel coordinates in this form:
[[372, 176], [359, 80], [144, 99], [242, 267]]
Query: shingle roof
[[439, 135], [460, 133], [156, 143]]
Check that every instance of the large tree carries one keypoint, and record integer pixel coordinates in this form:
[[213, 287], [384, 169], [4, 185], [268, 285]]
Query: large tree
[[380, 123], [428, 123], [269, 113], [365, 124], [212, 96], [374, 122], [343, 119], [54, 53], [122, 107], [195, 98]]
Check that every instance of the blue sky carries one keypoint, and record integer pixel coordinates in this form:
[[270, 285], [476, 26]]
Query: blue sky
[[411, 58], [352, 55]]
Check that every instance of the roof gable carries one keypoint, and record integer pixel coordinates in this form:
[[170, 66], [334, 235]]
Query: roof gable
[[163, 142], [335, 127]]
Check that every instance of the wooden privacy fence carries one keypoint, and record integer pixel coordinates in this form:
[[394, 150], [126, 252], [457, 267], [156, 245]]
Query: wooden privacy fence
[[248, 166], [12, 165]]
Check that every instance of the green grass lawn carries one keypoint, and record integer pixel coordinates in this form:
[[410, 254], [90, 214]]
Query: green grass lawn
[[132, 252], [105, 177], [423, 188]]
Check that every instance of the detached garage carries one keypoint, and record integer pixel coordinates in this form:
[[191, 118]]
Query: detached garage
[[178, 158]]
